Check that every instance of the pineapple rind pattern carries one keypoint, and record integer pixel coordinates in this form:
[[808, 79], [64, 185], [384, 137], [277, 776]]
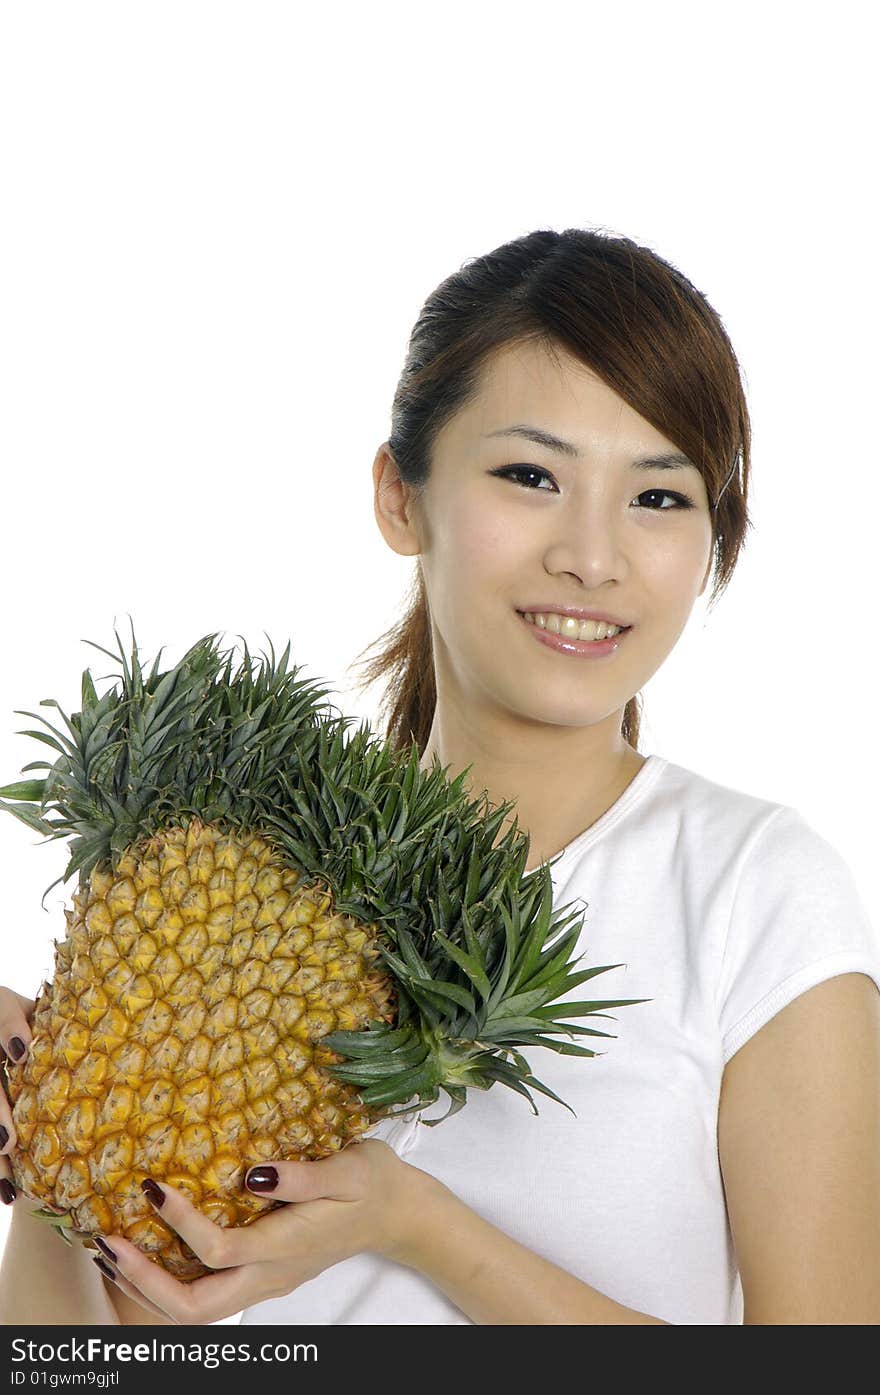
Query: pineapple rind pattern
[[180, 1037], [280, 935]]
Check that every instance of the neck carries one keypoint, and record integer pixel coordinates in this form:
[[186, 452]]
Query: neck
[[562, 779]]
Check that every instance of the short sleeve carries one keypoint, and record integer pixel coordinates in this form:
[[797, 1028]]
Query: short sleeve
[[796, 919]]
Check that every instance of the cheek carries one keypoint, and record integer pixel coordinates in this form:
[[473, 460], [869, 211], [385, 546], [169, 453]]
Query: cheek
[[673, 567], [480, 544]]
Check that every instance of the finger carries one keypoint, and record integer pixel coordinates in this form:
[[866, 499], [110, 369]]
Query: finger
[[15, 1034], [8, 1189], [339, 1177], [203, 1300], [8, 1133], [27, 1005], [129, 1289], [15, 1038], [219, 1247]]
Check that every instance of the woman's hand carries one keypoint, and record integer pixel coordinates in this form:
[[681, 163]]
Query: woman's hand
[[362, 1198], [16, 1014]]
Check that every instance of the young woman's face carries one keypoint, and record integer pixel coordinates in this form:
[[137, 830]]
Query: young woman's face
[[586, 529]]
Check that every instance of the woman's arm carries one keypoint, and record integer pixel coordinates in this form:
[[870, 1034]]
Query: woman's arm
[[42, 1280], [799, 1146], [362, 1199], [494, 1279]]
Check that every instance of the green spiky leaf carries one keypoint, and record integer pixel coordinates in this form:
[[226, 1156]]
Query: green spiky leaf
[[480, 962]]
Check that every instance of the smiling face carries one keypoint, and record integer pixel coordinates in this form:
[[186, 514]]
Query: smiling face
[[584, 527]]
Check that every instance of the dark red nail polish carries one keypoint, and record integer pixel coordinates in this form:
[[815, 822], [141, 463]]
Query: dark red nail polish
[[152, 1192], [262, 1179], [7, 1190], [16, 1048], [102, 1245], [103, 1266]]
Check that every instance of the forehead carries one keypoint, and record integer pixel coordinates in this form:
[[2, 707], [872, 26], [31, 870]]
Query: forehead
[[556, 391]]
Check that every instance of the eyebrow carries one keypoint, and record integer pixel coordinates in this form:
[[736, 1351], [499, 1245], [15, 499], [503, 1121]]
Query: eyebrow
[[669, 460]]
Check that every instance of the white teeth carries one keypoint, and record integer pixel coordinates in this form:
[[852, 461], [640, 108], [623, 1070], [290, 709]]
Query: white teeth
[[571, 628]]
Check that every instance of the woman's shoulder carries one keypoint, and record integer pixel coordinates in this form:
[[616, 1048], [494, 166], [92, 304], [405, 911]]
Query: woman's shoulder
[[757, 828], [672, 806], [702, 795]]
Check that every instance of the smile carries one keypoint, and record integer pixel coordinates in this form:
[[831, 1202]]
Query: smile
[[563, 643]]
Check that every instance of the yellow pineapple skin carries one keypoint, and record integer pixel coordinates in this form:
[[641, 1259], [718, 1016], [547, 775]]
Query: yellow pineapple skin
[[180, 1036]]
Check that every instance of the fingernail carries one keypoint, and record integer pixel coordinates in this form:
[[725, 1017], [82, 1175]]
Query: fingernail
[[16, 1048], [4, 1136], [152, 1192], [102, 1245], [7, 1190], [262, 1179], [104, 1267]]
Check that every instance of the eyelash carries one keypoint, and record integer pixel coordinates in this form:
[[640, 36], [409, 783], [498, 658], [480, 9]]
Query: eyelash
[[506, 471]]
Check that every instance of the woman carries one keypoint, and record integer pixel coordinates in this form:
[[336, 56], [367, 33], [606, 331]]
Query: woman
[[570, 435]]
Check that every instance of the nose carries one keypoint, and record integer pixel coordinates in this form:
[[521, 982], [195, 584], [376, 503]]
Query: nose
[[586, 538]]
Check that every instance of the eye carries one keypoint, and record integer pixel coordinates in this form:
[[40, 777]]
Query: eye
[[681, 500], [509, 471]]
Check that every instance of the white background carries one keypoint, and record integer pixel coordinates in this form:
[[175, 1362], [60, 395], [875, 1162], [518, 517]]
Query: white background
[[219, 222]]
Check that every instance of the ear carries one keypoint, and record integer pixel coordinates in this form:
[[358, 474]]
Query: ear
[[394, 506]]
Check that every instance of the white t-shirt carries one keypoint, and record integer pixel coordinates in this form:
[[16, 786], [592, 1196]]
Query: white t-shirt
[[721, 908]]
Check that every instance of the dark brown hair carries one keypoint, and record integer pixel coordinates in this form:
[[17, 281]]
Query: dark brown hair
[[633, 319]]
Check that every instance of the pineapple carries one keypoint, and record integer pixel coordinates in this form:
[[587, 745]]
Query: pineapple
[[280, 935]]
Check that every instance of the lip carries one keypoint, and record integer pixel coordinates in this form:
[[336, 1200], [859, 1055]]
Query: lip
[[586, 648], [577, 613]]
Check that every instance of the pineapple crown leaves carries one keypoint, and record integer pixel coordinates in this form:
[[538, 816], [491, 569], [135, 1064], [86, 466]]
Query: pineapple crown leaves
[[477, 956], [189, 740]]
